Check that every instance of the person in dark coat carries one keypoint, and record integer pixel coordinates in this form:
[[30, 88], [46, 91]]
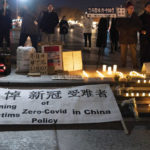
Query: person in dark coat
[[48, 23], [128, 28], [102, 34], [63, 28], [145, 35], [114, 35], [5, 25], [101, 41], [29, 26]]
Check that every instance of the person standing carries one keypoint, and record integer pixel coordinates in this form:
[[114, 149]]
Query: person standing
[[63, 29], [145, 35], [114, 36], [102, 35], [29, 26], [128, 28], [48, 23], [5, 25], [87, 30]]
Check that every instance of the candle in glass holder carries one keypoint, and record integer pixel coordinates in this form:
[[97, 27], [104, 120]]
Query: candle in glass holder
[[114, 68], [104, 68], [139, 81], [109, 70]]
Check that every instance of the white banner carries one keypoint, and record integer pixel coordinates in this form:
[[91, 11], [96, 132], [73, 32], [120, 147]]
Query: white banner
[[83, 104]]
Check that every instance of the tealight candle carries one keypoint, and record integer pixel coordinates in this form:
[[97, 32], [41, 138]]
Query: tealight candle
[[104, 68], [109, 70], [132, 94], [143, 94], [114, 68], [139, 81], [127, 94]]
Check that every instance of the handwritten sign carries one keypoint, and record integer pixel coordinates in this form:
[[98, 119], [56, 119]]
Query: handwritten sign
[[38, 63]]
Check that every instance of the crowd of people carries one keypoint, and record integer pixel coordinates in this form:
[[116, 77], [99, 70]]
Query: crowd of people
[[123, 31]]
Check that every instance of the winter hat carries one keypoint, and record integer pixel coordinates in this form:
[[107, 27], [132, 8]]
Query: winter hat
[[129, 4], [148, 3]]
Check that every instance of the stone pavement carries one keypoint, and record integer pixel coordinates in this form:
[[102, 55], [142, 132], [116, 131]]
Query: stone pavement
[[76, 140]]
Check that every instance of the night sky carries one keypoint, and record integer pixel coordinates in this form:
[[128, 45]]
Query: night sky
[[81, 4]]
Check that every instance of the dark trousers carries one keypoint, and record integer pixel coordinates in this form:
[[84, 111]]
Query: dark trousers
[[124, 52], [23, 38], [5, 34], [87, 37], [144, 49]]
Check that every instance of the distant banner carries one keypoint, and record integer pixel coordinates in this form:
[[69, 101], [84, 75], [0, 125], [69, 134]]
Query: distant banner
[[117, 12], [76, 105]]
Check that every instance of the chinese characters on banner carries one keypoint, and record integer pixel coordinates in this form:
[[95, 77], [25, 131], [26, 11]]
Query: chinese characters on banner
[[83, 104], [107, 12]]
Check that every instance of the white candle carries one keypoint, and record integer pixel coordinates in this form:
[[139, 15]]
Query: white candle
[[139, 81], [144, 81], [132, 94], [104, 68], [127, 94], [143, 94], [114, 68], [137, 94], [109, 70]]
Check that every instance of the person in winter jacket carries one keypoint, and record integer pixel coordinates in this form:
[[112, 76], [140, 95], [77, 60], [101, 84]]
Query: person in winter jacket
[[63, 28], [145, 35], [29, 26], [102, 35], [5, 25], [48, 23], [87, 30], [128, 28], [114, 35]]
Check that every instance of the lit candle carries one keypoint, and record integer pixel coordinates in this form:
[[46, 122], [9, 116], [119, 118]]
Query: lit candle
[[149, 105], [137, 94], [127, 94], [149, 94], [109, 70], [143, 94], [139, 81], [104, 68], [132, 94], [114, 68], [85, 74], [144, 81], [149, 81]]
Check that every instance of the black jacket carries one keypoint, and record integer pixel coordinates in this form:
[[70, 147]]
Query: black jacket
[[102, 33], [48, 22], [63, 27], [5, 21], [145, 18], [28, 26], [128, 28]]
